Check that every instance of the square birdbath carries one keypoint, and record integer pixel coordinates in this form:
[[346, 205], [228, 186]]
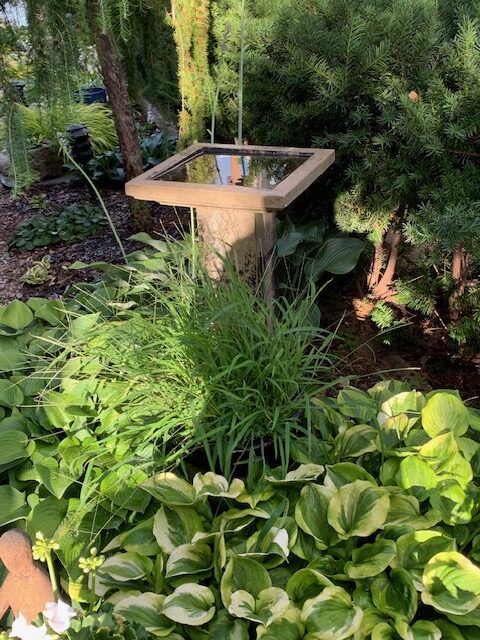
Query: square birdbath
[[236, 191]]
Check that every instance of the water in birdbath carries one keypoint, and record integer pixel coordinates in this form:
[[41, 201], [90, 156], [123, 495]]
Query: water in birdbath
[[258, 170]]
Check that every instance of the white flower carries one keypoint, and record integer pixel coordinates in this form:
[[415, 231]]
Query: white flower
[[58, 615], [24, 631]]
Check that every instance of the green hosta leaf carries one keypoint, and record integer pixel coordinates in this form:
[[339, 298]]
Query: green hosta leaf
[[124, 567], [276, 542], [311, 513], [10, 394], [287, 627], [401, 411], [344, 473], [261, 494], [357, 404], [452, 583], [176, 526], [55, 405], [415, 472], [13, 447], [445, 413], [171, 490], [51, 311], [16, 315], [370, 559], [243, 574], [188, 559], [123, 488], [356, 441], [46, 517], [459, 470], [358, 509], [470, 620], [270, 604], [454, 505], [190, 604], [12, 505], [145, 609], [224, 627], [337, 255], [395, 594], [303, 474], [450, 631], [212, 484], [415, 549], [11, 360], [55, 478], [386, 389], [440, 451], [305, 584], [331, 615]]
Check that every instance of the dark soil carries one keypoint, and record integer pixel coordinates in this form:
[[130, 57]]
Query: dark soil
[[168, 222], [420, 353]]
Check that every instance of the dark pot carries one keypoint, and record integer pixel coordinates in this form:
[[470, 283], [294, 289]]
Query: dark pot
[[91, 95]]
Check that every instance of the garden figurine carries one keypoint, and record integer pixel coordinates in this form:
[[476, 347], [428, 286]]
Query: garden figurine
[[27, 588]]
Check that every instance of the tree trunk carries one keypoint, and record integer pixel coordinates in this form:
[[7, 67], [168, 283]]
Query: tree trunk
[[459, 267], [116, 85], [382, 290]]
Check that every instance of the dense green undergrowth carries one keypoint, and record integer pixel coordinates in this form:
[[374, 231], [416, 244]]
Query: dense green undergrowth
[[347, 515]]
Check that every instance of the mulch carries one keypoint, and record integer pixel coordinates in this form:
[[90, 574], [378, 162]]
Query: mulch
[[168, 222]]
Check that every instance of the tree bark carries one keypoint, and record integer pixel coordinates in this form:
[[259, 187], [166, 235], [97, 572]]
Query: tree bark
[[459, 267], [382, 289], [117, 89]]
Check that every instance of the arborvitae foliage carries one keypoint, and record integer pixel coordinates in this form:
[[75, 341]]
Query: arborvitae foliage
[[191, 24]]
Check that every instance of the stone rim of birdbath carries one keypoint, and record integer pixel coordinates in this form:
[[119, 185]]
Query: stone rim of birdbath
[[234, 220]]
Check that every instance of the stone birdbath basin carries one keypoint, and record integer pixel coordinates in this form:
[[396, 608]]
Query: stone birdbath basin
[[236, 191]]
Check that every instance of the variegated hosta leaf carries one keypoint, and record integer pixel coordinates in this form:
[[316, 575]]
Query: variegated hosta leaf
[[253, 499], [370, 559], [331, 615], [190, 604], [304, 473], [415, 549], [395, 595], [405, 512], [270, 604], [452, 583], [170, 489], [235, 520], [420, 630], [124, 567], [243, 574], [343, 473], [212, 484], [356, 441], [306, 584], [383, 631], [453, 503], [140, 539], [272, 549], [287, 627], [145, 609], [189, 559], [311, 513], [358, 509], [225, 627], [174, 526], [400, 412]]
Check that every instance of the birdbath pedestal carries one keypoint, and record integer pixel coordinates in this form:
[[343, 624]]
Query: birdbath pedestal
[[236, 191]]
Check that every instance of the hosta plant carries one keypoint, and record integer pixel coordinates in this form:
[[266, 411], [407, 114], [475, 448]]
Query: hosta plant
[[373, 536]]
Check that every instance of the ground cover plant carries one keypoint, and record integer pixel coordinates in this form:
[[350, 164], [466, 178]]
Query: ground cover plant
[[328, 549], [69, 224]]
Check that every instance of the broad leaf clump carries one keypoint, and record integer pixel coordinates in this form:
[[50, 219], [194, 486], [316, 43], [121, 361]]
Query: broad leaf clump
[[374, 535]]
